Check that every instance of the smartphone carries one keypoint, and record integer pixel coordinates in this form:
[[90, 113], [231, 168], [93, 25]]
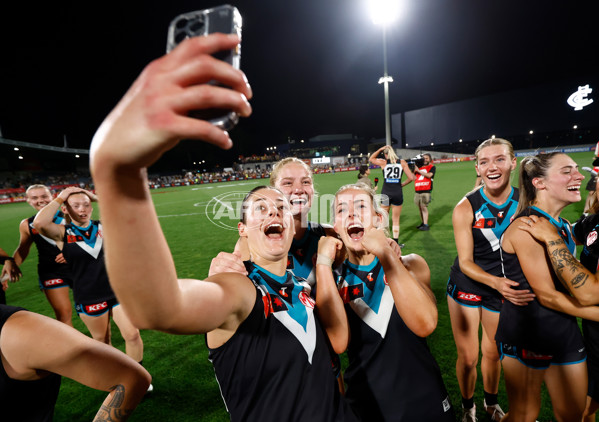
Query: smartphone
[[225, 19]]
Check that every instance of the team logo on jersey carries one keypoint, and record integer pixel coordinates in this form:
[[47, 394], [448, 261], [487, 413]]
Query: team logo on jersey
[[305, 298], [295, 311], [470, 297], [591, 238]]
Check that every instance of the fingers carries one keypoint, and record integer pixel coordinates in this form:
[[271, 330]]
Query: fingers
[[226, 263], [210, 96]]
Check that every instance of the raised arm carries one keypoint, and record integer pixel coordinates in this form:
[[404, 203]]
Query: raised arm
[[414, 299], [463, 219], [539, 273], [378, 161], [329, 304], [580, 282], [152, 118], [69, 353], [44, 220]]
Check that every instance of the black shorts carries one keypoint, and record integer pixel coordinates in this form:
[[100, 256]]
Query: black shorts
[[395, 199], [541, 361], [50, 282], [469, 293], [96, 309]]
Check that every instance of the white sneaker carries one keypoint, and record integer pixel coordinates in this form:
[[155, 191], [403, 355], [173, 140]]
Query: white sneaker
[[150, 389], [495, 412], [469, 414]]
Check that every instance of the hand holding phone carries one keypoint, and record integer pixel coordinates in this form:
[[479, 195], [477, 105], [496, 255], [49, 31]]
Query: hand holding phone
[[225, 19]]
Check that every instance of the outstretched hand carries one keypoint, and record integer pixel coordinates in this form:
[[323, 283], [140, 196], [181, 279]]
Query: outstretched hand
[[152, 117]]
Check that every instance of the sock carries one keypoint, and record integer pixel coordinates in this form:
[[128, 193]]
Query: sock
[[468, 403], [490, 399]]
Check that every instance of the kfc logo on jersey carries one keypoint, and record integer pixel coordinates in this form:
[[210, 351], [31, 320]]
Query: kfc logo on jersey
[[95, 308], [53, 282], [591, 238], [305, 298], [470, 297]]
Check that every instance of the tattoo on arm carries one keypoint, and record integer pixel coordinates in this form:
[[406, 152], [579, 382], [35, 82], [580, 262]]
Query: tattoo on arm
[[112, 411], [562, 260]]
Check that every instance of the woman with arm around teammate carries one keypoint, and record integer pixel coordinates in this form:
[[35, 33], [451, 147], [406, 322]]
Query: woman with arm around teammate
[[392, 192], [476, 285], [541, 342], [581, 278]]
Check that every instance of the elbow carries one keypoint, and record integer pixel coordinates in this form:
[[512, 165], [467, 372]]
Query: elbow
[[339, 343], [426, 327], [588, 299]]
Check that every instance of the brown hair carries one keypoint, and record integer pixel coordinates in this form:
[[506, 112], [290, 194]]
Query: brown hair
[[532, 166]]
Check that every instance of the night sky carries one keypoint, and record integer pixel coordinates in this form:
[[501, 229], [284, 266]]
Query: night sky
[[313, 64]]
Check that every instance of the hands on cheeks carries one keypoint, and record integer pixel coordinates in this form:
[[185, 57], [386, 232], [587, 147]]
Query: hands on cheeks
[[375, 242], [329, 246], [152, 117]]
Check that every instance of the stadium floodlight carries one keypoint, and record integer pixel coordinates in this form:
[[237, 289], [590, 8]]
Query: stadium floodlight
[[384, 12]]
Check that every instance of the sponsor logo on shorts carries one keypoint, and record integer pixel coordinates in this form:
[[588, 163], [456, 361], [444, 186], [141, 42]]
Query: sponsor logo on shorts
[[527, 354], [96, 307], [470, 297], [53, 282]]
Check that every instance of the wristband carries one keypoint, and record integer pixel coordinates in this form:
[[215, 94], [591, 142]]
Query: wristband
[[324, 260], [59, 200]]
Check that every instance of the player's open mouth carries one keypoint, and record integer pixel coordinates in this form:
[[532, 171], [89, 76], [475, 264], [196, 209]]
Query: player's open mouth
[[493, 176], [355, 231], [298, 202], [574, 188], [274, 231]]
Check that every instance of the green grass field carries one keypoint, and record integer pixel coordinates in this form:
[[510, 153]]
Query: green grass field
[[185, 388]]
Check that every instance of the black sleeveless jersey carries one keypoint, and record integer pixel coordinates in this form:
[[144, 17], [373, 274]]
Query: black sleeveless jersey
[[586, 231], [490, 221], [392, 177], [535, 327], [277, 365], [302, 254], [392, 375], [47, 250], [27, 401], [84, 252]]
